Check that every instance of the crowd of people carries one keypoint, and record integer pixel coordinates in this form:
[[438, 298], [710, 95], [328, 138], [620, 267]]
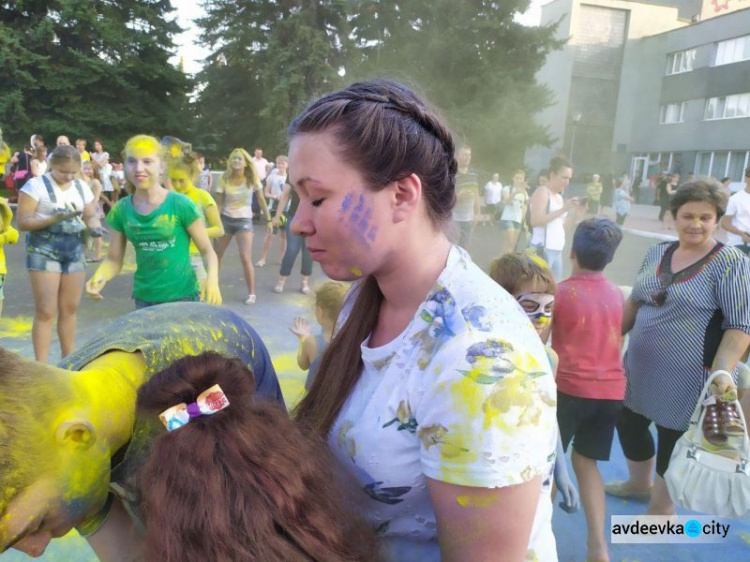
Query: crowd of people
[[441, 399]]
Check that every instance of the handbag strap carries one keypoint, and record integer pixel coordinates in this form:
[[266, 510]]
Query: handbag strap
[[700, 413]]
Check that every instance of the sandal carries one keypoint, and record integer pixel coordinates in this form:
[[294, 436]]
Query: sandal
[[731, 422], [260, 263], [279, 288], [250, 299], [619, 490], [306, 289]]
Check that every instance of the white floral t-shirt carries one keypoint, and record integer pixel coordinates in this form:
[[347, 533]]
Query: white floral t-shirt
[[464, 395]]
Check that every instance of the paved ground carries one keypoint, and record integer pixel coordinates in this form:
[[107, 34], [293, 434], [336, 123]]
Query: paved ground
[[271, 317]]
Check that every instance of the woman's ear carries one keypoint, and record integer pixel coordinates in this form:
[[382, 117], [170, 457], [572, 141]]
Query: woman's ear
[[407, 195]]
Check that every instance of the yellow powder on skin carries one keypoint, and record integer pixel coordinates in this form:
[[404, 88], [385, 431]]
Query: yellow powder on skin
[[476, 501], [356, 271]]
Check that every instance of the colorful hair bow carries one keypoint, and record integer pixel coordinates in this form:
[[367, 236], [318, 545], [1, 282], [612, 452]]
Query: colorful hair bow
[[209, 402]]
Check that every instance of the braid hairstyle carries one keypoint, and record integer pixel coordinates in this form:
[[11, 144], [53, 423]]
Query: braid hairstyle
[[386, 132]]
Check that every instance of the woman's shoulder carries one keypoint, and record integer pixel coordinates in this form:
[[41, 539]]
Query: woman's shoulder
[[730, 255]]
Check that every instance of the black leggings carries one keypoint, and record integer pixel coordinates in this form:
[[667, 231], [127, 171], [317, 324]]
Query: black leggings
[[638, 443]]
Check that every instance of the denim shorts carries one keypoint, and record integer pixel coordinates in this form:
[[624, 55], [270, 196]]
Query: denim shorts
[[234, 225], [2, 284], [55, 252]]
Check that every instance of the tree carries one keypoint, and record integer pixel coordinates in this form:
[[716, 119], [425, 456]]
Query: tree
[[269, 58], [91, 68], [470, 58]]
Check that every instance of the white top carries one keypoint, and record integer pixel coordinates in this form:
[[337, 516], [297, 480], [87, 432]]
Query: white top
[[739, 208], [554, 237], [493, 193], [35, 189], [514, 209], [106, 173], [41, 166], [464, 395], [261, 167], [238, 199], [276, 183], [100, 157]]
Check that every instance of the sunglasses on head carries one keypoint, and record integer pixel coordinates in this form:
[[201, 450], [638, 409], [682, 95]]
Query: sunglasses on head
[[660, 297]]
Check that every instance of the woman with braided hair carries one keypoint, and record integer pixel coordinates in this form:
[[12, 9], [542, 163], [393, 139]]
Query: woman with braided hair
[[435, 393]]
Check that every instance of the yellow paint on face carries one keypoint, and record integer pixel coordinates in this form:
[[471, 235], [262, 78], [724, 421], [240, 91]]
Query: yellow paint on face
[[476, 501], [181, 181], [356, 271], [143, 146]]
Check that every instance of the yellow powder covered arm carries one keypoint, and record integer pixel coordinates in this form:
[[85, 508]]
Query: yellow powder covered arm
[[10, 236]]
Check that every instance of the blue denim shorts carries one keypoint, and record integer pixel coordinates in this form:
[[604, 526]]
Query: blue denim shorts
[[234, 225], [2, 284], [55, 252]]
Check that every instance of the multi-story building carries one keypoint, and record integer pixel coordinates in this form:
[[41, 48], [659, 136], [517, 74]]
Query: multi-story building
[[646, 86]]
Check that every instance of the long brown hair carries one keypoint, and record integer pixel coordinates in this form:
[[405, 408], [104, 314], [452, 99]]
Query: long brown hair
[[242, 484], [386, 132]]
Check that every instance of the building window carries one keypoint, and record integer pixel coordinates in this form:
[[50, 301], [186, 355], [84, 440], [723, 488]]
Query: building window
[[672, 113], [733, 50], [727, 107], [681, 61], [721, 164]]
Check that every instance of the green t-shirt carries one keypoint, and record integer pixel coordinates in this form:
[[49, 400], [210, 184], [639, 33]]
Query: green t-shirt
[[161, 243]]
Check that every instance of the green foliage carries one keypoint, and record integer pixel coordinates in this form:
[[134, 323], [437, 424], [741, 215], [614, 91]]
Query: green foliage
[[269, 59], [89, 68], [469, 57]]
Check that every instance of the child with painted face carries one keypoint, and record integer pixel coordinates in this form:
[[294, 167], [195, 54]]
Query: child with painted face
[[160, 224], [71, 440], [183, 171], [532, 284]]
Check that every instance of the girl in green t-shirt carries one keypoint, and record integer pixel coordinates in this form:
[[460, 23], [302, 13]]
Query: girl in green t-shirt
[[160, 224]]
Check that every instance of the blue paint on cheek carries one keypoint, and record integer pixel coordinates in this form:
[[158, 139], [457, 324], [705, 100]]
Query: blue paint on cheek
[[361, 205], [347, 203]]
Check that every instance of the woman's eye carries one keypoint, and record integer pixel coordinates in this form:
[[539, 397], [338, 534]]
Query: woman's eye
[[317, 202]]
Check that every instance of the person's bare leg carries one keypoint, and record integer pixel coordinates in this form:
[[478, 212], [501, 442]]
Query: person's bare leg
[[266, 247], [591, 488], [221, 246], [640, 474], [98, 248], [661, 503], [245, 244], [44, 286], [68, 299]]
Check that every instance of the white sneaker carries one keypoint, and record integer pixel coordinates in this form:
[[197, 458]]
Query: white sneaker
[[250, 299]]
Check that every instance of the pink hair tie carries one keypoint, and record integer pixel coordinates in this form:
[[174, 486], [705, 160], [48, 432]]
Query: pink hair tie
[[208, 402]]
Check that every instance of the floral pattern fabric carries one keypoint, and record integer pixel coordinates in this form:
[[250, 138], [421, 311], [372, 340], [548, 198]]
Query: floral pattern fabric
[[465, 395]]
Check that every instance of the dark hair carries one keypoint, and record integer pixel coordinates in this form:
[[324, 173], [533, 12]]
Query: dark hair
[[558, 163], [703, 189], [595, 242], [725, 178], [242, 484], [513, 271], [387, 132]]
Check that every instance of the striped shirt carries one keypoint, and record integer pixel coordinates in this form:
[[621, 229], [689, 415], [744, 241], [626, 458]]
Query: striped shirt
[[672, 346]]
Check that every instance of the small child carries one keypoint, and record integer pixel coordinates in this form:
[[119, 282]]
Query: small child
[[587, 336], [8, 235], [532, 284], [329, 298]]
